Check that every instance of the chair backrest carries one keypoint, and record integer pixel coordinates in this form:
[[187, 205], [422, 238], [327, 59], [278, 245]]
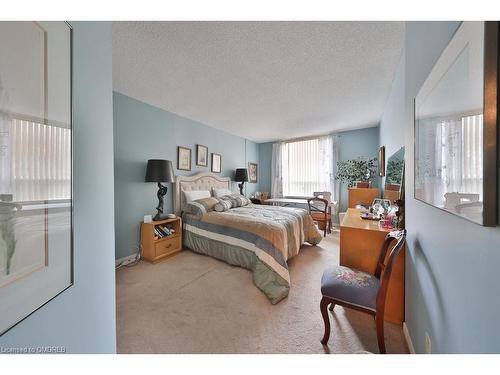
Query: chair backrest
[[323, 194], [386, 262], [317, 205]]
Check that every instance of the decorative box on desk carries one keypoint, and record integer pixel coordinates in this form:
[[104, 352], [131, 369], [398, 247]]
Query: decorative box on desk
[[155, 248]]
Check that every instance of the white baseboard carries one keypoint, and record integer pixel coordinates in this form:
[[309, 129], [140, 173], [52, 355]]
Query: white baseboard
[[406, 333], [125, 260]]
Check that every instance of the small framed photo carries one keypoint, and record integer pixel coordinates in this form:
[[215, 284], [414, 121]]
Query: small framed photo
[[183, 158], [216, 163], [252, 172], [202, 155]]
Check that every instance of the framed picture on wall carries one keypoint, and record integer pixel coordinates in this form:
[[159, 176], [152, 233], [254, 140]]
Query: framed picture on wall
[[252, 172], [381, 161], [216, 163], [36, 199], [202, 155], [183, 158]]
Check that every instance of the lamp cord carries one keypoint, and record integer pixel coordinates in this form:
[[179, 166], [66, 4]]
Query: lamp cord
[[137, 258]]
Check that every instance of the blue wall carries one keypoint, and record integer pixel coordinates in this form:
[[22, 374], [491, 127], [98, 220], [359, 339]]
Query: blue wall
[[451, 264], [352, 144], [83, 318], [391, 135], [265, 157], [145, 132], [252, 156]]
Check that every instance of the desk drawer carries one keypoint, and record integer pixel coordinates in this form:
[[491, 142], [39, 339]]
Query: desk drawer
[[167, 246]]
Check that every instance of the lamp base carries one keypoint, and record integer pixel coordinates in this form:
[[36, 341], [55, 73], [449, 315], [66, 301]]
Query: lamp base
[[241, 187], [162, 191], [160, 217]]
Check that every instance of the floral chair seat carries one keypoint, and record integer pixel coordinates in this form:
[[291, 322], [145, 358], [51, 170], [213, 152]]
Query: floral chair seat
[[351, 286]]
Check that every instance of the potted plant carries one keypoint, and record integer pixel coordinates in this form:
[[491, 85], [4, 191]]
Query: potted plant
[[360, 169]]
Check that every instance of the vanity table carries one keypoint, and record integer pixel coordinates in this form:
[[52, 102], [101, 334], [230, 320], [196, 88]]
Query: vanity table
[[360, 244]]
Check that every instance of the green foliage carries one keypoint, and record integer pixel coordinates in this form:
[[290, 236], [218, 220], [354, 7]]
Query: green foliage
[[360, 169], [394, 172], [7, 236]]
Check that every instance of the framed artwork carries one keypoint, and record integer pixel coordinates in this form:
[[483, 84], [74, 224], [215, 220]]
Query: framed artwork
[[216, 163], [252, 172], [202, 155], [456, 114], [36, 198], [381, 161], [183, 158]]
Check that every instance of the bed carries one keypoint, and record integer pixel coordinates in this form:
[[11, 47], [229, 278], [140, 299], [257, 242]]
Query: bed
[[256, 237]]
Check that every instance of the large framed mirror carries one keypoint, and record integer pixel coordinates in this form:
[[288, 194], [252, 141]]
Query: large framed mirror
[[393, 184], [36, 247], [456, 127]]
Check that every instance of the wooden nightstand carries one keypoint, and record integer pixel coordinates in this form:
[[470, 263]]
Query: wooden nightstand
[[155, 248]]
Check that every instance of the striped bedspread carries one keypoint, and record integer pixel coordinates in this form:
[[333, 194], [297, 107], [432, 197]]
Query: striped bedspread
[[257, 237]]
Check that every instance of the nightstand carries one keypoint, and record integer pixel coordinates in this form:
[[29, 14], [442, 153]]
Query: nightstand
[[156, 248]]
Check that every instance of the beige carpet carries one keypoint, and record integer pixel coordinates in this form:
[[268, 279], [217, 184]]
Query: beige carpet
[[195, 304]]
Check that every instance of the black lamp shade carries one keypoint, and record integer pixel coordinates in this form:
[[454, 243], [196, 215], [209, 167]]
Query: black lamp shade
[[159, 171], [241, 175]]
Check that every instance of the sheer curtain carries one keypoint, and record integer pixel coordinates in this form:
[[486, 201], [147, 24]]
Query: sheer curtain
[[277, 171], [5, 156], [335, 184], [302, 167]]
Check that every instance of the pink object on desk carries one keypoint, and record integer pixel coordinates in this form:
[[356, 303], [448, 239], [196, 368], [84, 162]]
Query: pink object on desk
[[386, 223]]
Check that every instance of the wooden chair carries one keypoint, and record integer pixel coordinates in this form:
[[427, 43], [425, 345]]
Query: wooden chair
[[328, 196], [359, 290], [323, 194], [318, 209]]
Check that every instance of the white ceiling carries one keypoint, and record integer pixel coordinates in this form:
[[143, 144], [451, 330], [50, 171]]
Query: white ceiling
[[261, 80]]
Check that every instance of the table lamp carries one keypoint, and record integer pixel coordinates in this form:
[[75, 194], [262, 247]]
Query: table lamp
[[241, 176], [159, 171]]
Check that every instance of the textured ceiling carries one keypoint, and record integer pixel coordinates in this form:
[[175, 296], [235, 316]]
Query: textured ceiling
[[261, 80]]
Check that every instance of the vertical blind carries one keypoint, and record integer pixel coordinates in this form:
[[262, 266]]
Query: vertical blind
[[461, 155], [41, 161], [307, 166]]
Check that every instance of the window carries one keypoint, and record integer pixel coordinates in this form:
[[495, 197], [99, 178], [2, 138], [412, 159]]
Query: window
[[307, 166], [461, 155], [41, 161]]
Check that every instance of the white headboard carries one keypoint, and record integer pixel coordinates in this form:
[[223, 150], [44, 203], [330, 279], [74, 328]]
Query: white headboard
[[200, 181]]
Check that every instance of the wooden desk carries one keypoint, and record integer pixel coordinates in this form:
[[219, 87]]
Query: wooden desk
[[360, 244]]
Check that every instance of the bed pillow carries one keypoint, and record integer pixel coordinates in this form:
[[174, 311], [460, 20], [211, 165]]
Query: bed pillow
[[220, 192], [236, 200], [192, 195], [200, 207], [222, 205]]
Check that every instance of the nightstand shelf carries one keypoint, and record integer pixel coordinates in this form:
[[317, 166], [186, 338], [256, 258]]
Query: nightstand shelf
[[154, 248]]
